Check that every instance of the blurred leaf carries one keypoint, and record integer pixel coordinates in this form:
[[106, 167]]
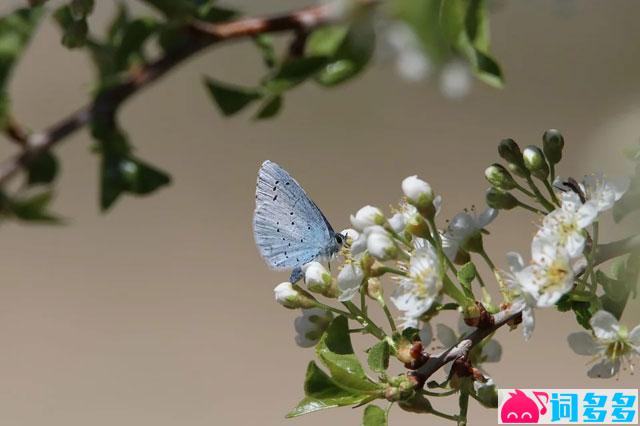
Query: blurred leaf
[[80, 9], [374, 416], [42, 169], [293, 72], [270, 108], [378, 358], [322, 392], [130, 47], [265, 45], [325, 41], [621, 286], [16, 30], [336, 352], [31, 208], [629, 203], [466, 275], [175, 9], [211, 13], [231, 99]]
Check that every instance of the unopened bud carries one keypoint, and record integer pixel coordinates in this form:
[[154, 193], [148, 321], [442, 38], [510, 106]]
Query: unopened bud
[[510, 151], [317, 278], [552, 144], [535, 162], [500, 177], [291, 297], [418, 192], [367, 216], [381, 246], [498, 199]]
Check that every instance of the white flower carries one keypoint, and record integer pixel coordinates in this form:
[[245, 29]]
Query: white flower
[[350, 234], [550, 275], [565, 225], [316, 276], [286, 295], [611, 344], [349, 280], [310, 326], [463, 228], [411, 62], [367, 216], [380, 244], [417, 191], [397, 222], [455, 80], [604, 192], [522, 299], [416, 293]]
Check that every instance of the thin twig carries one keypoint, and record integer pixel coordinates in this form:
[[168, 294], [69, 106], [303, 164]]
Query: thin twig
[[200, 35]]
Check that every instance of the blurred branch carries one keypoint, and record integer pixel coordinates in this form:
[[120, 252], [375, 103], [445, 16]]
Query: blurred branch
[[200, 35]]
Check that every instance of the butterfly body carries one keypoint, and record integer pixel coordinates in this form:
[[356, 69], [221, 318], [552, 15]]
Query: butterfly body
[[289, 229]]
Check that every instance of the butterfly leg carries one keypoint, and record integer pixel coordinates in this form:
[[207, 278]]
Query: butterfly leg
[[296, 275]]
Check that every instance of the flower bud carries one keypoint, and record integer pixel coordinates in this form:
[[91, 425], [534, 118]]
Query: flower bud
[[552, 144], [535, 162], [417, 226], [290, 297], [417, 191], [499, 177], [317, 278], [381, 246], [367, 216], [486, 392], [397, 223], [498, 199], [510, 151]]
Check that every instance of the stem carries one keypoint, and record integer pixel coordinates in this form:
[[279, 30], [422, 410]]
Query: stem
[[443, 415], [454, 292], [365, 321], [384, 269], [392, 322], [463, 401], [551, 192], [525, 191], [530, 208], [547, 205], [592, 257], [334, 310], [439, 394]]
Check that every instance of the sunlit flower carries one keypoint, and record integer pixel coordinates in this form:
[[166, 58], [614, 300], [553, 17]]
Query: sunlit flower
[[416, 293], [349, 280], [463, 229], [604, 192], [310, 326], [550, 275], [564, 226], [611, 345]]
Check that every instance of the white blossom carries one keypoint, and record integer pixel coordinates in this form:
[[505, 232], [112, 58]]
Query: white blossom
[[522, 299], [463, 227], [602, 191], [550, 275], [565, 225], [419, 290], [397, 222], [310, 326], [610, 344], [417, 191], [380, 244], [349, 280], [316, 276]]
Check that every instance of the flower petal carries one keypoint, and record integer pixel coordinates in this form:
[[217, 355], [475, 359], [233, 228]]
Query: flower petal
[[515, 262], [486, 217], [605, 326], [582, 343], [426, 334], [528, 323], [604, 369], [634, 336]]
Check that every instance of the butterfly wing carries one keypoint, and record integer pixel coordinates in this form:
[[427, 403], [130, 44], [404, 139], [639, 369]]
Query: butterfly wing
[[288, 227]]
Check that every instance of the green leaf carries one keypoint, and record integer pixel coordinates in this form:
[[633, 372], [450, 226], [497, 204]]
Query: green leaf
[[374, 416], [325, 41], [130, 48], [466, 275], [336, 352], [175, 9], [16, 30], [264, 43], [42, 169], [231, 99], [75, 28], [270, 108], [378, 358], [80, 9], [293, 72], [351, 56], [322, 392]]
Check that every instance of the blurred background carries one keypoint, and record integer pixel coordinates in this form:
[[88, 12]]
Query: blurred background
[[161, 312]]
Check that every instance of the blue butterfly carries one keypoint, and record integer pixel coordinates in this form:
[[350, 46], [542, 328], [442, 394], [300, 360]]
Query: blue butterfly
[[289, 229]]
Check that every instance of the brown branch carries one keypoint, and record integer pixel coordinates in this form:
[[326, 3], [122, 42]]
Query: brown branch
[[200, 35]]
